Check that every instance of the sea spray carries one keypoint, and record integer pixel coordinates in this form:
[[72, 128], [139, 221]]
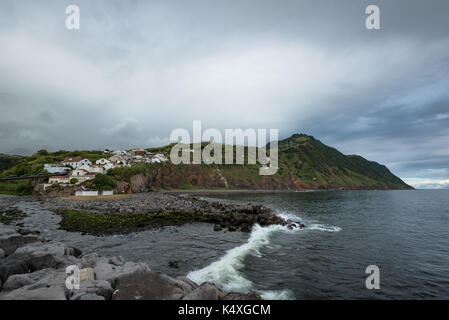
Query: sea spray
[[226, 272], [310, 225]]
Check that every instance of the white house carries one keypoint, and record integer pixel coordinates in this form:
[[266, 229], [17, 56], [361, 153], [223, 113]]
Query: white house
[[106, 163], [158, 158], [82, 175], [103, 161], [53, 168], [79, 172], [75, 162], [118, 160], [93, 168]]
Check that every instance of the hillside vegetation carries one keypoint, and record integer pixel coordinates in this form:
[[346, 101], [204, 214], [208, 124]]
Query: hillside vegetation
[[35, 164], [7, 161], [32, 165], [304, 163]]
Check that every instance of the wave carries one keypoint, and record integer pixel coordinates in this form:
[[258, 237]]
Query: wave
[[226, 272], [309, 224]]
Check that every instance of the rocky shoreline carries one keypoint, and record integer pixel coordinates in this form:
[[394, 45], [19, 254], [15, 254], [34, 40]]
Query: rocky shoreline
[[34, 268], [138, 212]]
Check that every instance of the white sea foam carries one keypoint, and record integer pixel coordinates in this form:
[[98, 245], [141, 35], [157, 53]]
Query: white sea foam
[[289, 216], [323, 227], [226, 272]]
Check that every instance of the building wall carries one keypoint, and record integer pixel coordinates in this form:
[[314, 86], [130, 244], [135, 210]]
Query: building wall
[[86, 193], [59, 180], [91, 193]]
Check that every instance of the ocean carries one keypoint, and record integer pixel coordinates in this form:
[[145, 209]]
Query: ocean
[[403, 233]]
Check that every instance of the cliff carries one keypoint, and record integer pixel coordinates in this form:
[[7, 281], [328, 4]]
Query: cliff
[[304, 163]]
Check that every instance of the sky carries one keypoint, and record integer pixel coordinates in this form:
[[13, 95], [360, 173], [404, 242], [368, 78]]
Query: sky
[[136, 70]]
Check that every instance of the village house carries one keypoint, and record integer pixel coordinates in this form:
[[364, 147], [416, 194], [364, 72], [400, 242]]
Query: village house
[[138, 152], [106, 163], [103, 161], [158, 158], [118, 160], [82, 175], [79, 172], [75, 162], [94, 168]]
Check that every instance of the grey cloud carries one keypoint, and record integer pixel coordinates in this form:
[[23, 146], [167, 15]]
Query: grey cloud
[[46, 116]]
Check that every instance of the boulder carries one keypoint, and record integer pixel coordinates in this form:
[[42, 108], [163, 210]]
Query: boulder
[[2, 254], [117, 261], [192, 285], [93, 290], [24, 263], [54, 248], [90, 260], [17, 281], [43, 293], [46, 284], [149, 285], [10, 242], [113, 273], [206, 291]]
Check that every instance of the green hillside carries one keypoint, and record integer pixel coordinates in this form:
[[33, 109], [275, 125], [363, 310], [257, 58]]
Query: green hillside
[[304, 163], [316, 164], [35, 164], [7, 161], [32, 165]]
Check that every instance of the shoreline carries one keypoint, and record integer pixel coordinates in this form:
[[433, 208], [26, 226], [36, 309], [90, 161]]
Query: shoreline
[[224, 191], [138, 212]]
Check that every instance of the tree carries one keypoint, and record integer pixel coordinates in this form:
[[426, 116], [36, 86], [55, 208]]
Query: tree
[[42, 152], [104, 182]]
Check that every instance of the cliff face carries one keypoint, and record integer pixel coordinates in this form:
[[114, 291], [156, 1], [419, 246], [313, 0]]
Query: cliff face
[[304, 163]]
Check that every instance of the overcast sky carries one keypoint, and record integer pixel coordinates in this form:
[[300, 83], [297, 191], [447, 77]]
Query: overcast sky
[[136, 70]]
